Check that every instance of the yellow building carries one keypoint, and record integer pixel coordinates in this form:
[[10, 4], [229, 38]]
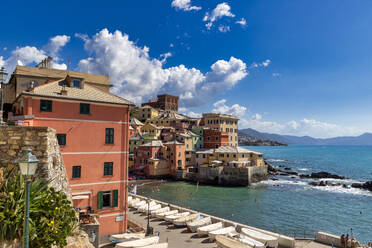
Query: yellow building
[[158, 167], [145, 113], [229, 156], [166, 118], [151, 130], [223, 123]]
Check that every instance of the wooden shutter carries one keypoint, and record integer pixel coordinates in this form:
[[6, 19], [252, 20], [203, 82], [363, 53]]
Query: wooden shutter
[[100, 200], [115, 198]]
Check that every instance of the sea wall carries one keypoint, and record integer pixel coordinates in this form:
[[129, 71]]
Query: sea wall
[[284, 241], [223, 175], [15, 140]]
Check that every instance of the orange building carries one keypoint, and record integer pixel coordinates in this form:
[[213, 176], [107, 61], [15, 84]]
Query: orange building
[[92, 130], [214, 138]]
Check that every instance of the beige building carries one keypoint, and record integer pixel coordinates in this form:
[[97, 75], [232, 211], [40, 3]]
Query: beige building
[[151, 130], [229, 156], [223, 123], [145, 113], [24, 76]]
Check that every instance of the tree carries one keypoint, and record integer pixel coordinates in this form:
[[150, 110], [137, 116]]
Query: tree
[[52, 217]]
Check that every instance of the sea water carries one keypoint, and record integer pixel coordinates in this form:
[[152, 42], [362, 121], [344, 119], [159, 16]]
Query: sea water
[[289, 206]]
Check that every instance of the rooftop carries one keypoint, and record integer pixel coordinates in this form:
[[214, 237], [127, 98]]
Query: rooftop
[[55, 73], [154, 143], [135, 121], [87, 93], [227, 149], [212, 115]]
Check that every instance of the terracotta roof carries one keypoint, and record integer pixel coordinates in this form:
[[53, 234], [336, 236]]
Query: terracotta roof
[[228, 149], [88, 93], [135, 121], [220, 115], [55, 73]]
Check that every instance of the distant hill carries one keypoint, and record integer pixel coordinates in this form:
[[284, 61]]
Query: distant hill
[[248, 140], [364, 139]]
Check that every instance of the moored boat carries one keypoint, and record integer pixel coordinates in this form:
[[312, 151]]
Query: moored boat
[[161, 245], [126, 237], [139, 204], [262, 237], [204, 230], [133, 202], [228, 242], [193, 225], [251, 242], [162, 215], [183, 220], [158, 211], [171, 218], [144, 207], [139, 242], [155, 207], [223, 231]]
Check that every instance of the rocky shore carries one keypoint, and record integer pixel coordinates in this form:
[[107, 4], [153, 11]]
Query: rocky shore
[[319, 178]]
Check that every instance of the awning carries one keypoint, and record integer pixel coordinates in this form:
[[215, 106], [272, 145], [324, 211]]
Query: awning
[[78, 197], [216, 162]]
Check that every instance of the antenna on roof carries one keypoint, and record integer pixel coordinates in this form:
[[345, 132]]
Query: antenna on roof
[[68, 65]]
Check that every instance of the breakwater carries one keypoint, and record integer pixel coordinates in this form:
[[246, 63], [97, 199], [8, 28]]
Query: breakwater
[[283, 240]]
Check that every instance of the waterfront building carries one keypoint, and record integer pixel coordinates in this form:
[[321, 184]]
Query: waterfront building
[[176, 156], [199, 144], [215, 139], [92, 128], [145, 112], [229, 156], [145, 152], [164, 102], [223, 123]]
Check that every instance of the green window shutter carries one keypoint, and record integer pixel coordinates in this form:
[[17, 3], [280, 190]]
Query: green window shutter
[[115, 198], [100, 200]]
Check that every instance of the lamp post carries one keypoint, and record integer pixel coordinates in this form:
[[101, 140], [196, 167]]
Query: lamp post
[[149, 230], [3, 75], [28, 166]]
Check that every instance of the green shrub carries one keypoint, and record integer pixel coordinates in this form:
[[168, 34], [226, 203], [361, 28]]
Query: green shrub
[[52, 217]]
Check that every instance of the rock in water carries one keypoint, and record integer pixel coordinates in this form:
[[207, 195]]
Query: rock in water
[[324, 174]]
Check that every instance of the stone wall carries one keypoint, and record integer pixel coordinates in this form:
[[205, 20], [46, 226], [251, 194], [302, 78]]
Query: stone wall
[[14, 140]]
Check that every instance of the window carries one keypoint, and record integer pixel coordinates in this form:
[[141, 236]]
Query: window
[[179, 154], [76, 171], [45, 106], [61, 139], [84, 108], [203, 155], [107, 199], [61, 83], [216, 146], [109, 136], [108, 168], [227, 129], [76, 84], [216, 137]]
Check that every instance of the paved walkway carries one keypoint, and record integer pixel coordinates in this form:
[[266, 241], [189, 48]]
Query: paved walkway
[[177, 237]]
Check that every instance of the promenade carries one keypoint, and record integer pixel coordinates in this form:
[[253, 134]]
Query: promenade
[[177, 237]]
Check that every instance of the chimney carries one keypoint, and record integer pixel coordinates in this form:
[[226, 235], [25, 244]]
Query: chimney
[[31, 88], [45, 63], [64, 91]]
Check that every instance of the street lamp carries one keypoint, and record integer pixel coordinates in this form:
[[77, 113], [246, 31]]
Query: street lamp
[[149, 230], [28, 166], [3, 75]]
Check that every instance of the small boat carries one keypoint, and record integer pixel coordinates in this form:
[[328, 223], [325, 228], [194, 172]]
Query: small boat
[[161, 210], [144, 207], [228, 242], [129, 198], [262, 237], [126, 237], [161, 245], [183, 220], [204, 230], [193, 225], [251, 242], [139, 242], [223, 231], [171, 218], [133, 202], [155, 207], [139, 204], [162, 215]]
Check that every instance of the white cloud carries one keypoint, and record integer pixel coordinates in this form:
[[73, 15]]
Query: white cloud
[[221, 10], [242, 22], [304, 127], [275, 74], [221, 107], [265, 63], [184, 5], [224, 29], [32, 55], [164, 57], [138, 77], [55, 44]]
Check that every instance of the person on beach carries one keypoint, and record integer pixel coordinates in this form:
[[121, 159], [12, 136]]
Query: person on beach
[[347, 240], [343, 243]]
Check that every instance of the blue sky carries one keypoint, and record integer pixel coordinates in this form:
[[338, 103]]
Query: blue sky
[[284, 66]]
